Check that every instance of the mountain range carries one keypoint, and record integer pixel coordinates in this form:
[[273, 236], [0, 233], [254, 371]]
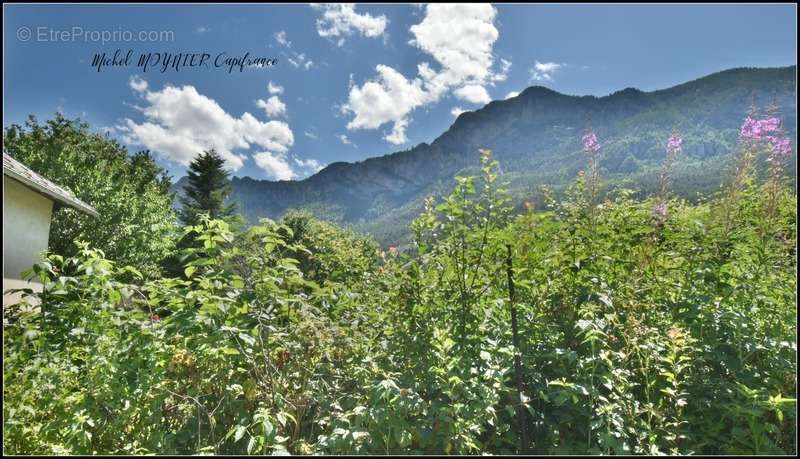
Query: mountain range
[[536, 137]]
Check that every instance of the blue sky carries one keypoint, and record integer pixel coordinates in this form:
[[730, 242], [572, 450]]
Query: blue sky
[[352, 82]]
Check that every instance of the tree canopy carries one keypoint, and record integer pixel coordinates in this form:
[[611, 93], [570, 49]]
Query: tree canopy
[[137, 223], [206, 190]]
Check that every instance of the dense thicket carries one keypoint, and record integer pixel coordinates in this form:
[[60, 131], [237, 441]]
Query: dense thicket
[[137, 224], [643, 327]]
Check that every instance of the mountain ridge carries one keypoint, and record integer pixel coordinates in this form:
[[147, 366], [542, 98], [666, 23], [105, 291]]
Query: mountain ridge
[[535, 136]]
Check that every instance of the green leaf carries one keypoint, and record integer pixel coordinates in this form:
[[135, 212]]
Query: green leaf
[[247, 338], [240, 431], [230, 351]]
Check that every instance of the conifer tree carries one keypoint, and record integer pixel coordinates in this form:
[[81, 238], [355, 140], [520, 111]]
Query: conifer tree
[[207, 188]]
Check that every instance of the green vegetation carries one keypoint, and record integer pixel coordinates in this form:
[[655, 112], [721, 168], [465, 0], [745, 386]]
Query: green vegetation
[[535, 138], [597, 323], [207, 187], [137, 226]]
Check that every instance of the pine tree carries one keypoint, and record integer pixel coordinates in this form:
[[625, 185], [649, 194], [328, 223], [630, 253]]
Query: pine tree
[[207, 190]]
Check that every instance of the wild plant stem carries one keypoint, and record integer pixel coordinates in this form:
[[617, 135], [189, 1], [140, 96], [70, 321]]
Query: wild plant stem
[[523, 425]]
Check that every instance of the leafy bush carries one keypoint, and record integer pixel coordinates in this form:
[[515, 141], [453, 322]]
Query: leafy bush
[[137, 225], [593, 325]]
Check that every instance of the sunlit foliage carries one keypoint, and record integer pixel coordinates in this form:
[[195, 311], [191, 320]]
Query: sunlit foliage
[[648, 326]]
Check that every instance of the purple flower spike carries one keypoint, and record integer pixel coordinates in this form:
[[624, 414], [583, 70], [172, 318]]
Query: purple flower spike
[[675, 143], [781, 147], [751, 129], [769, 125], [590, 144], [659, 212]]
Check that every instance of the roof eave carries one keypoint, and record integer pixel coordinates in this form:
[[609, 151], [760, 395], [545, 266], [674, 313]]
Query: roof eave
[[74, 203]]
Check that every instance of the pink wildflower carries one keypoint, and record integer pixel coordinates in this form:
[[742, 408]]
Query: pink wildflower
[[659, 213], [781, 147], [592, 149], [155, 317], [772, 124], [675, 143], [590, 144], [751, 129], [674, 147]]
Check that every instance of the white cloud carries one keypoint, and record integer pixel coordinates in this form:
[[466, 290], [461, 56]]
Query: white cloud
[[505, 67], [138, 84], [460, 38], [389, 99], [180, 123], [280, 37], [202, 29], [311, 166], [108, 130], [340, 20], [275, 165], [274, 88], [473, 93], [344, 139], [398, 134], [299, 60], [274, 135], [272, 106], [310, 135], [543, 71], [455, 111], [512, 94]]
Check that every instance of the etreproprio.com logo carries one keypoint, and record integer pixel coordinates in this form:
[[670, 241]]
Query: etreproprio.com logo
[[44, 34]]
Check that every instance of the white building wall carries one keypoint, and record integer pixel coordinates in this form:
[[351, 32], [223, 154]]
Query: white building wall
[[26, 226]]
